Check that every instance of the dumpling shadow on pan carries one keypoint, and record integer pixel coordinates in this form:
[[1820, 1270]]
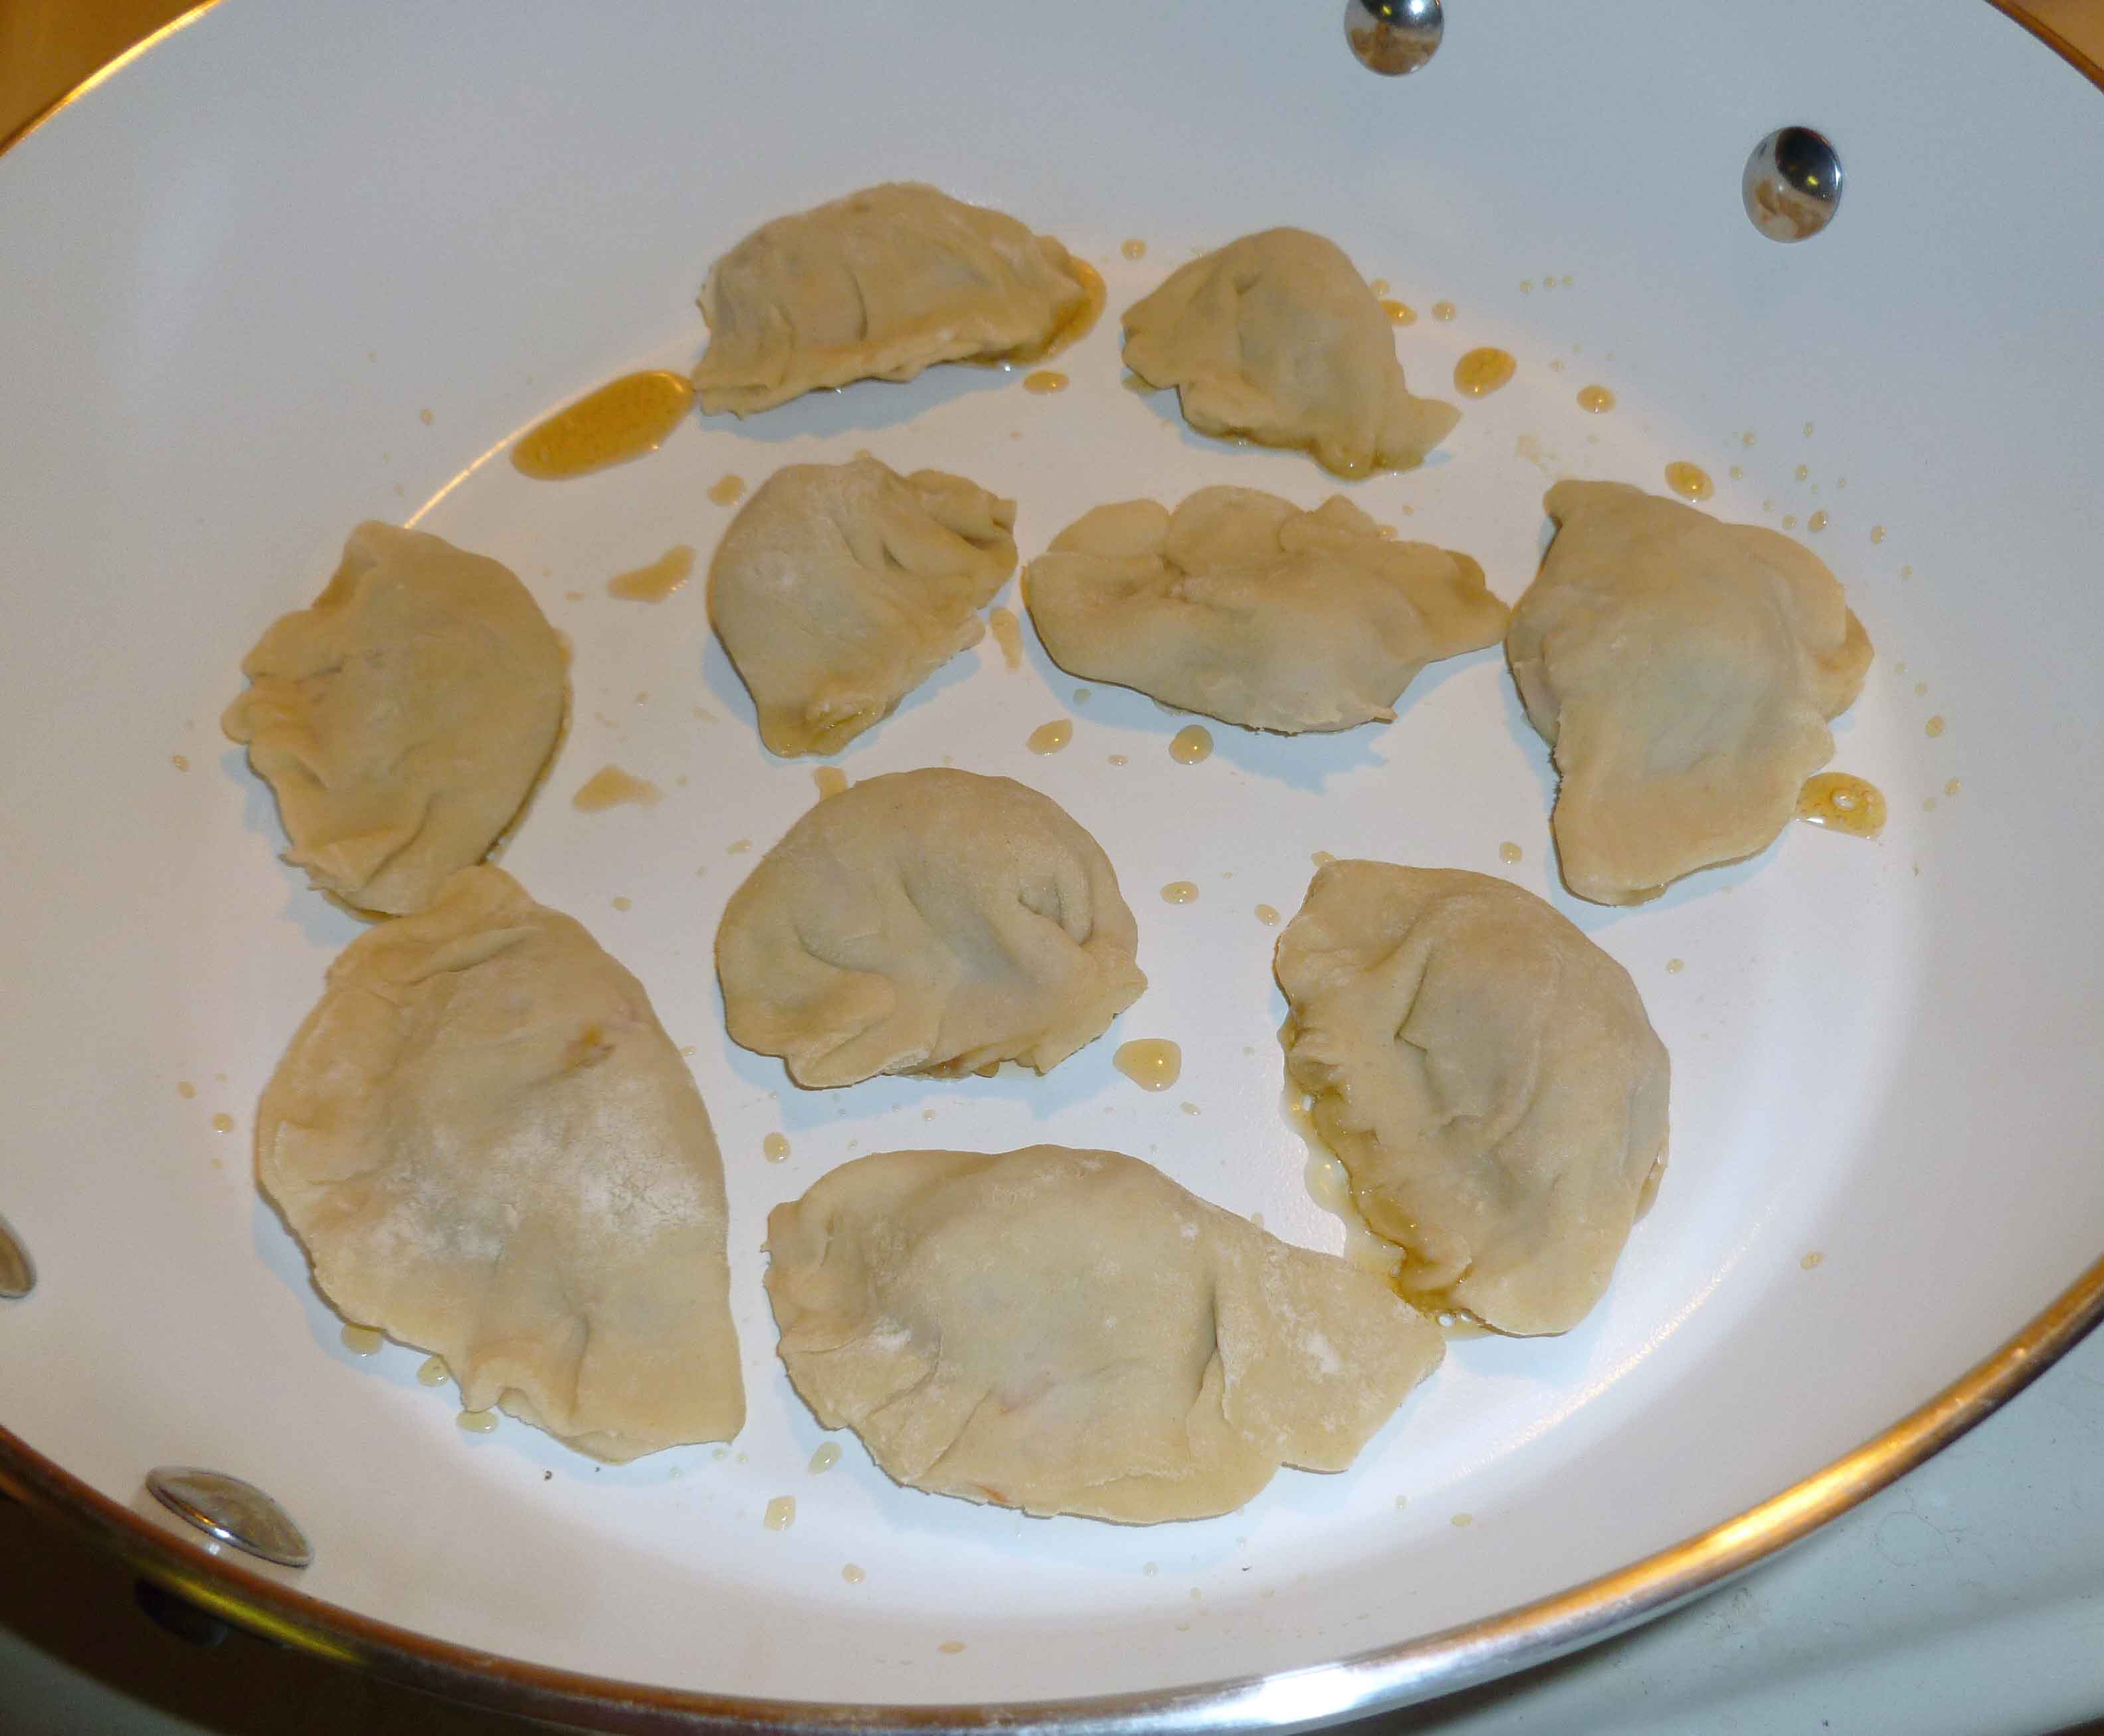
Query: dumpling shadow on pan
[[866, 407]]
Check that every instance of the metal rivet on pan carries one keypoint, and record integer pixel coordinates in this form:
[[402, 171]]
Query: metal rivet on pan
[[18, 1277], [234, 1512], [1792, 185], [1394, 37]]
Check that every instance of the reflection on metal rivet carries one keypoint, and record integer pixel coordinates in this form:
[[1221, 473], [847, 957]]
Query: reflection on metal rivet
[[1394, 37], [234, 1512], [18, 1277], [1792, 185]]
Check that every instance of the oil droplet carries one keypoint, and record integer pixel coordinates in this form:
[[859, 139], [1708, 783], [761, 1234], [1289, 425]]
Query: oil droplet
[[624, 903], [1399, 312], [1527, 285], [852, 1574], [1689, 481], [431, 1372], [1322, 858], [1842, 802], [1813, 1260], [1919, 688], [1789, 521], [776, 1148], [609, 786], [1444, 311], [622, 420], [1391, 532], [1462, 1521], [1188, 1109], [1510, 851], [1818, 521], [1803, 471], [180, 761], [1082, 695], [1747, 438], [1674, 966], [1134, 249], [427, 418], [1906, 571], [1268, 916], [1401, 1502], [1877, 532], [1180, 892], [1045, 381], [1596, 399], [1807, 431], [1380, 286], [827, 1456], [780, 1513], [184, 1088], [1150, 1568], [1008, 635], [1482, 371], [1049, 738], [1934, 726], [727, 489], [737, 846], [831, 781], [1735, 473], [1952, 787], [1118, 759], [222, 1123], [477, 1423], [1566, 280], [951, 1647], [654, 582], [1928, 805], [363, 1340], [1190, 744], [1153, 1063]]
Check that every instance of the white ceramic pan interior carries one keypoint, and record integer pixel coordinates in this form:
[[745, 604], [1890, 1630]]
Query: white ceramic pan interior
[[303, 265]]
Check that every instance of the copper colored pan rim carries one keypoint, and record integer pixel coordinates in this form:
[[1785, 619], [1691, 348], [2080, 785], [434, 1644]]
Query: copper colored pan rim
[[1364, 1683]]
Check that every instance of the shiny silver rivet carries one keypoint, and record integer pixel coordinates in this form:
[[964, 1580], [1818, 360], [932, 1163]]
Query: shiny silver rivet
[[1792, 185], [18, 1277], [234, 1512], [1394, 37]]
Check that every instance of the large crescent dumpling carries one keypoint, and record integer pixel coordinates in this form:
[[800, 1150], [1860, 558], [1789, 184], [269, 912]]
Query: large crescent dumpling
[[490, 1148], [1489, 1077], [927, 922], [1070, 1332], [838, 588], [1682, 670], [403, 720], [1240, 605], [1276, 338], [879, 285]]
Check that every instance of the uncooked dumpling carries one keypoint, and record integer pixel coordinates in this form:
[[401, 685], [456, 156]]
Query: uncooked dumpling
[[927, 922], [881, 284], [838, 588], [403, 720], [1070, 1332], [1488, 1076], [1683, 670], [1276, 338], [1241, 606], [490, 1148]]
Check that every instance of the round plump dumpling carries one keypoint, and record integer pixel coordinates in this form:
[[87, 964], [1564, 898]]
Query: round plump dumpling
[[404, 719], [879, 285], [1070, 1332], [927, 922], [1276, 338], [490, 1148], [1488, 1076], [1682, 670], [838, 588], [1240, 605]]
